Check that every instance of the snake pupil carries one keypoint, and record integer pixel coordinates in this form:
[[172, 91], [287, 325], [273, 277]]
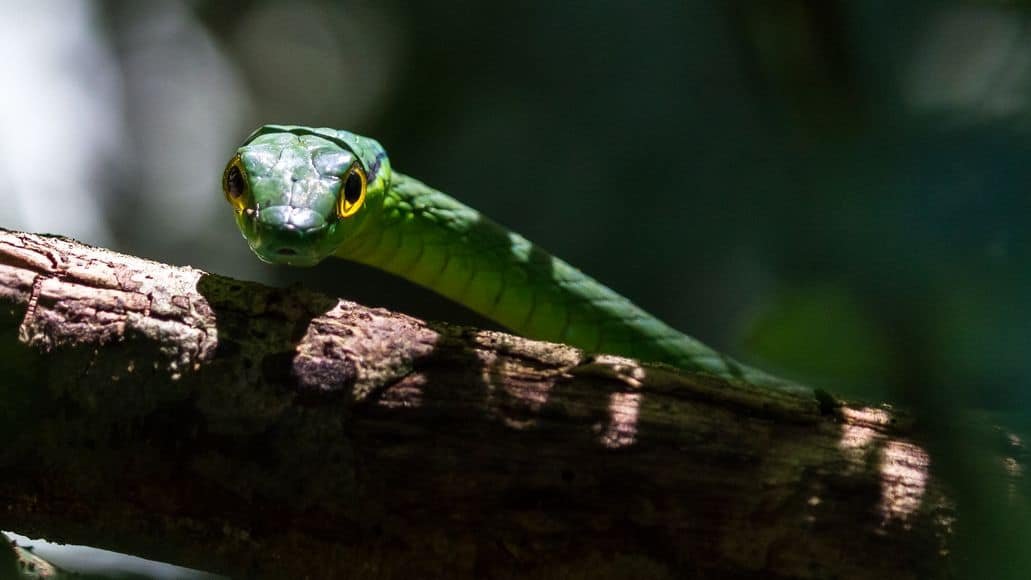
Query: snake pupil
[[353, 187], [234, 182]]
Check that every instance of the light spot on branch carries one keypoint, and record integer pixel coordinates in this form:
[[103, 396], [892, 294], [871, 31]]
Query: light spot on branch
[[623, 412], [904, 474], [857, 435]]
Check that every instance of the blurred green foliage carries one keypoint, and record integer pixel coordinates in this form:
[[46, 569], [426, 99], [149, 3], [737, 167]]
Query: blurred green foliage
[[824, 333]]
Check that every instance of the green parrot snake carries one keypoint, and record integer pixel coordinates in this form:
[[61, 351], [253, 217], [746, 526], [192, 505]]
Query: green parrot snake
[[302, 194]]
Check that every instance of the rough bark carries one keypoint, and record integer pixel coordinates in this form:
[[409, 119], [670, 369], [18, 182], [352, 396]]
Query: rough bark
[[263, 432]]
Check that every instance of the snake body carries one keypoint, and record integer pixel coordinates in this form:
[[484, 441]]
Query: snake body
[[303, 194]]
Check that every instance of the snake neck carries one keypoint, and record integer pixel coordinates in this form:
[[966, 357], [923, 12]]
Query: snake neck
[[430, 238], [426, 236]]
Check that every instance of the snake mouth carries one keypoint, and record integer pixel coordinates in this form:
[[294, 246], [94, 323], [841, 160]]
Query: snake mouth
[[288, 246], [286, 235], [285, 255]]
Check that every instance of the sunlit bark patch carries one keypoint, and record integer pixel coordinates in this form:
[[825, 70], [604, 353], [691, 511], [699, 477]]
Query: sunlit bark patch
[[1011, 464], [867, 416], [904, 474], [903, 470], [518, 400], [857, 434], [622, 428], [621, 368]]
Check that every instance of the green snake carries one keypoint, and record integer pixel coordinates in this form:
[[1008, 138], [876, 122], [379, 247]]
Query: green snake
[[302, 194]]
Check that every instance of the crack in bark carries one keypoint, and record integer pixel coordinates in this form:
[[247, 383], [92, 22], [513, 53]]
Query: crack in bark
[[30, 311]]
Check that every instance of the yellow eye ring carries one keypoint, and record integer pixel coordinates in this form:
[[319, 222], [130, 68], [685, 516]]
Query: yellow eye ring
[[234, 184], [352, 192]]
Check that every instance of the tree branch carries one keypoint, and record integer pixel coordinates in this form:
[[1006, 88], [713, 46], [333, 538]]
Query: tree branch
[[233, 427]]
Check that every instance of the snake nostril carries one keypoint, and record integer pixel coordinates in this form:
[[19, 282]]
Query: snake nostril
[[286, 252]]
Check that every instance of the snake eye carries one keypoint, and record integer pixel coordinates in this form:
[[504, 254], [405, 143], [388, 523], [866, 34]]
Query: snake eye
[[352, 192], [234, 185]]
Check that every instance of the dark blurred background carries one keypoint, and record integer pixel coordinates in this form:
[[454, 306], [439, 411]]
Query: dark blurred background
[[835, 191]]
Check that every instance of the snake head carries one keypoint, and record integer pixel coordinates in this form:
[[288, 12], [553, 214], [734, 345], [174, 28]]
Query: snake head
[[299, 193]]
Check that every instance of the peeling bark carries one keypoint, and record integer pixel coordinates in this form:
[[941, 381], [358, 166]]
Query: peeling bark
[[262, 432]]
